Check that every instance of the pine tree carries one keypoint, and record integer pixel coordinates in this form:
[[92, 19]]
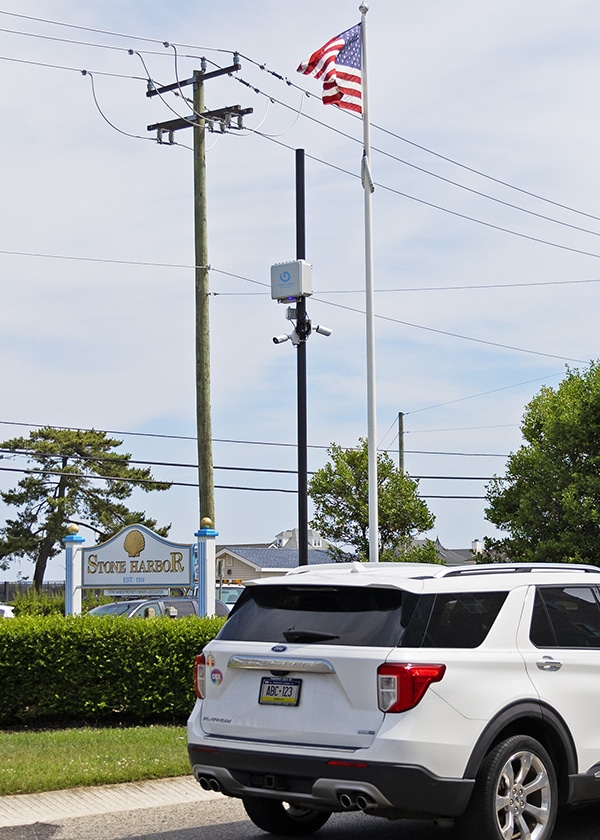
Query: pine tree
[[73, 477]]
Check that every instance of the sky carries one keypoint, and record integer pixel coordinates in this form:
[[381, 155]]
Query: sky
[[485, 239]]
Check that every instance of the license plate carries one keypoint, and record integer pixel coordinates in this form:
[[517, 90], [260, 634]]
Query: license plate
[[279, 692]]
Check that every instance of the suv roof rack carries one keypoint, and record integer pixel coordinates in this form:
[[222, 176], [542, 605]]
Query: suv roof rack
[[508, 568]]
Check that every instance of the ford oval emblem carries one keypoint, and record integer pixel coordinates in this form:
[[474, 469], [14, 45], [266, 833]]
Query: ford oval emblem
[[279, 648]]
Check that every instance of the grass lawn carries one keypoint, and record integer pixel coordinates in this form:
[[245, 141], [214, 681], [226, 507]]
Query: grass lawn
[[54, 759]]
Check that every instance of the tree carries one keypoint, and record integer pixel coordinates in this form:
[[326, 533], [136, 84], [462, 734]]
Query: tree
[[61, 488], [549, 499], [339, 491]]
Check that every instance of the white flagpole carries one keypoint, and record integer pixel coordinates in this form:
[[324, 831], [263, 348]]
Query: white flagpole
[[370, 301]]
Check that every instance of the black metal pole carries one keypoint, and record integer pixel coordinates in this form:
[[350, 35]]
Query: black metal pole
[[301, 369]]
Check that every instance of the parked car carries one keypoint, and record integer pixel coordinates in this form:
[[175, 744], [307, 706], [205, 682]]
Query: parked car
[[6, 611], [152, 607], [229, 593], [406, 691]]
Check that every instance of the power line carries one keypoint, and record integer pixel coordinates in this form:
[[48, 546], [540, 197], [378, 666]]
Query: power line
[[215, 270], [140, 263], [439, 331], [320, 300], [452, 477], [488, 177], [487, 342], [463, 428], [142, 481], [71, 69], [73, 41], [465, 287], [227, 440], [105, 118], [387, 188], [147, 434], [447, 210], [29, 453], [458, 454], [83, 28], [217, 486], [76, 457], [422, 169], [438, 155], [280, 77], [484, 393]]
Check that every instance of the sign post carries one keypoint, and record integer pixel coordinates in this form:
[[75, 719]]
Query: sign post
[[207, 575], [72, 571]]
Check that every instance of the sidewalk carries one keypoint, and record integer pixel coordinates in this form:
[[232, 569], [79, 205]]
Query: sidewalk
[[80, 802]]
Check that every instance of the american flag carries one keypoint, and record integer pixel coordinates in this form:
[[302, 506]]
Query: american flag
[[338, 62]]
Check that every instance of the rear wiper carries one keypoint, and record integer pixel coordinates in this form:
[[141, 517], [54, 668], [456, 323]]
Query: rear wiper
[[308, 636]]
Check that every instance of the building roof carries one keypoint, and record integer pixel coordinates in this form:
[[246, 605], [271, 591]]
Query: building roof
[[450, 556], [271, 556], [275, 558]]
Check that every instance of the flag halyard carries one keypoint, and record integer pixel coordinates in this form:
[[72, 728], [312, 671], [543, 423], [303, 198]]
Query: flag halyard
[[338, 63]]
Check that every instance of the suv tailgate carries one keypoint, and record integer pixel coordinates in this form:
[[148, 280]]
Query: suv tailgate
[[297, 663], [303, 695]]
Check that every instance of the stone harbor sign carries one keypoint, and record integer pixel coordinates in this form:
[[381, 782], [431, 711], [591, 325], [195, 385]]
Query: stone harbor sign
[[137, 557]]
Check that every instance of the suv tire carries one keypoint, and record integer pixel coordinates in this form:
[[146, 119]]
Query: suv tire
[[282, 818], [515, 794]]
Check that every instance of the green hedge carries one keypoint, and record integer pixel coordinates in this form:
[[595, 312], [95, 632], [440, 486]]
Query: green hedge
[[91, 670]]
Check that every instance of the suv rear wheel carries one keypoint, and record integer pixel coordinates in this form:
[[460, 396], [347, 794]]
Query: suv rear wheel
[[282, 818], [515, 794]]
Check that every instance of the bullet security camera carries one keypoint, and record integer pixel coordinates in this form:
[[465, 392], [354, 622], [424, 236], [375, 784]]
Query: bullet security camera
[[323, 330], [280, 339]]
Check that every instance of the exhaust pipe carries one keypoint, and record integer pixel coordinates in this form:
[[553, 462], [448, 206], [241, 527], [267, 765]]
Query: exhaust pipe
[[209, 783], [355, 799]]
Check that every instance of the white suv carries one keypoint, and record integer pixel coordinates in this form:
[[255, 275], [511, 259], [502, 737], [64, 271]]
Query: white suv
[[406, 691]]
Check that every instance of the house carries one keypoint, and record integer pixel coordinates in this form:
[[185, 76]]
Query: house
[[248, 562], [291, 539], [240, 562]]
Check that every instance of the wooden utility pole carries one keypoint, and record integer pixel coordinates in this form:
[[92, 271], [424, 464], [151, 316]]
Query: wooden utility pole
[[401, 441], [203, 406], [226, 118]]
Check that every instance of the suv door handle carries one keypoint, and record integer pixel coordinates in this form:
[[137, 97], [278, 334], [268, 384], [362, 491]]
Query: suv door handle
[[548, 663]]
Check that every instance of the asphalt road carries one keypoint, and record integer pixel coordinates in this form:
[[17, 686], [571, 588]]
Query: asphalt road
[[225, 819]]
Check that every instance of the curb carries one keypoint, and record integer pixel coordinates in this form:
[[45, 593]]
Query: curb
[[29, 808]]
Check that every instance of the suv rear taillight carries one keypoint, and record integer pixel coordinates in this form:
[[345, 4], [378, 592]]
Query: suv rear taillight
[[200, 676], [400, 686]]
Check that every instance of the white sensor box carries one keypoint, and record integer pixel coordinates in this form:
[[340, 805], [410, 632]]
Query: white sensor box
[[291, 280]]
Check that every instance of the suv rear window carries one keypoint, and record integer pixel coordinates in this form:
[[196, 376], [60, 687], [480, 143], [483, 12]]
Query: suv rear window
[[362, 616], [338, 615]]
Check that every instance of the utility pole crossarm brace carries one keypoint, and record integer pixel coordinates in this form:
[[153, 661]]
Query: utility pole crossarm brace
[[190, 122], [223, 71]]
